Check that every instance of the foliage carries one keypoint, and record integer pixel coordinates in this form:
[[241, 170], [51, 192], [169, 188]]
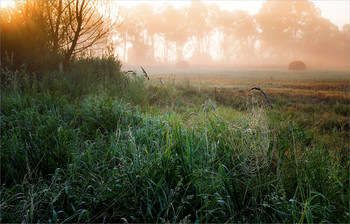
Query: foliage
[[282, 31], [75, 148], [44, 34]]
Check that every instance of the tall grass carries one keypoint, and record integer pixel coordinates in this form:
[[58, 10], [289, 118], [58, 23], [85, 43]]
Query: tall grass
[[77, 151]]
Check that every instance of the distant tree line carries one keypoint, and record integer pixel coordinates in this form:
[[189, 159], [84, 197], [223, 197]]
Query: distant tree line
[[43, 34], [280, 32]]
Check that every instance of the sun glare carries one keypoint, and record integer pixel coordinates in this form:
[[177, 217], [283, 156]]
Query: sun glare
[[5, 3]]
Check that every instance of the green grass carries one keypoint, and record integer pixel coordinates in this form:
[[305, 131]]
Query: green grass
[[74, 149]]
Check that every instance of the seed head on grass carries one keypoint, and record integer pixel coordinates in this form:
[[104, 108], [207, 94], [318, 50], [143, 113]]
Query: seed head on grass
[[212, 105], [130, 71], [206, 109], [259, 89], [145, 73]]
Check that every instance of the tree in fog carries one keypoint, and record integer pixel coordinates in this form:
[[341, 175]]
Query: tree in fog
[[345, 44], [138, 28], [245, 31], [238, 35], [199, 27], [123, 33], [283, 25], [323, 42], [174, 30], [167, 25], [224, 25]]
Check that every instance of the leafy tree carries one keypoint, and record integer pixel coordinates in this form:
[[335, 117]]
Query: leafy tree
[[224, 25], [40, 29], [174, 30], [283, 25], [198, 23]]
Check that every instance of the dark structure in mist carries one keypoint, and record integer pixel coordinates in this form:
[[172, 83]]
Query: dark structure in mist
[[182, 65], [297, 65]]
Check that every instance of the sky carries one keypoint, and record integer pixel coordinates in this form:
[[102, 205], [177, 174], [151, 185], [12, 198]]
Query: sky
[[337, 11]]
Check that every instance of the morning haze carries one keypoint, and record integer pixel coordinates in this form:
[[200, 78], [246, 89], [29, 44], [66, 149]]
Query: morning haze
[[202, 33]]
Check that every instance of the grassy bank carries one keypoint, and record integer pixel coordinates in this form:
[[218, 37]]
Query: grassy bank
[[95, 145]]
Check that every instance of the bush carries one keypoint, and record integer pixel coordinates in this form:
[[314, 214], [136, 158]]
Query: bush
[[87, 76]]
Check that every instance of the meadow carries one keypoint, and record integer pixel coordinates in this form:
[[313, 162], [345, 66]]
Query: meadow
[[93, 144]]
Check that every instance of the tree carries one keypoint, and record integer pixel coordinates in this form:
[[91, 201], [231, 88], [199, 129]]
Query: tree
[[245, 31], [224, 24], [283, 24], [23, 36], [63, 26], [238, 35], [174, 30], [54, 12], [84, 26], [198, 22]]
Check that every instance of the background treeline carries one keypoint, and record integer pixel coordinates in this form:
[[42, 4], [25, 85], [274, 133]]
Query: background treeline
[[45, 33], [203, 33]]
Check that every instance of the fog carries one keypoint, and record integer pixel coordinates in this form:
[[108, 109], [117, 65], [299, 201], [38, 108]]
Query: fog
[[203, 35], [199, 35]]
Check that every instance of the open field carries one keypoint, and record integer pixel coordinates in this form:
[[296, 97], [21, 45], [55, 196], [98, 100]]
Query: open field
[[317, 84], [94, 145]]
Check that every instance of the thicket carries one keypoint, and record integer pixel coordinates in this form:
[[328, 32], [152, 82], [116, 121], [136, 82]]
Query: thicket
[[94, 145]]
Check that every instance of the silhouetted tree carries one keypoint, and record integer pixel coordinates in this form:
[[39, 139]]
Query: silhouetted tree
[[84, 26], [52, 27]]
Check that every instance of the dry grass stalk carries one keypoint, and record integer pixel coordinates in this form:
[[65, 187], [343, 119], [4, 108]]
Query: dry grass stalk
[[205, 109], [259, 89], [212, 105], [145, 73]]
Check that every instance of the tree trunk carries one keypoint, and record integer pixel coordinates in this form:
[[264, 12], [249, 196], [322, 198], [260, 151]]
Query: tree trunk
[[69, 53], [56, 33]]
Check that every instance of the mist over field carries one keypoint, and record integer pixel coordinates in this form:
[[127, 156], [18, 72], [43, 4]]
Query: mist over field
[[203, 34]]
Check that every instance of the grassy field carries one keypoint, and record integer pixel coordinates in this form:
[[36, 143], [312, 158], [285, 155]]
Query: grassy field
[[95, 145]]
